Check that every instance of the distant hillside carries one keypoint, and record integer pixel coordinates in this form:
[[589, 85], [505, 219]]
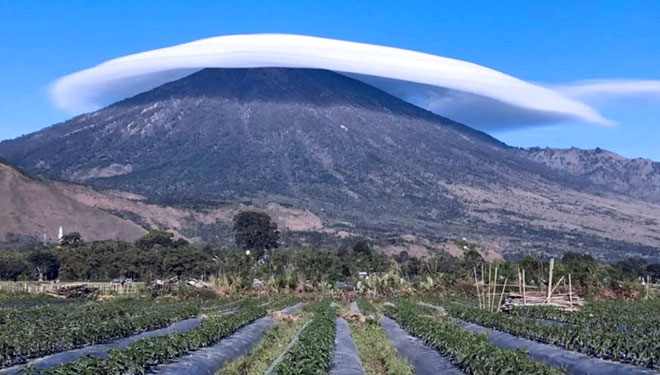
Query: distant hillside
[[354, 157], [638, 178], [34, 209]]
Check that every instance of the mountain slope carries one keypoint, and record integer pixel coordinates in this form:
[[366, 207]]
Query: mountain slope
[[361, 160], [34, 209], [638, 178]]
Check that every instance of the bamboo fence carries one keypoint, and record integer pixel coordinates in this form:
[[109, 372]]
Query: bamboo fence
[[48, 287]]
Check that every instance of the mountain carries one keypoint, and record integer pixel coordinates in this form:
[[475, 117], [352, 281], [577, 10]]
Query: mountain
[[638, 178], [358, 159]]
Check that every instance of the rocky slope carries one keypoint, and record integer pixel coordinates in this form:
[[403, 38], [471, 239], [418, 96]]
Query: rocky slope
[[638, 178]]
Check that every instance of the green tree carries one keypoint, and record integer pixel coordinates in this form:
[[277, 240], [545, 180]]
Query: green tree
[[155, 237], [12, 266], [362, 247], [45, 265], [256, 232], [72, 239], [402, 257]]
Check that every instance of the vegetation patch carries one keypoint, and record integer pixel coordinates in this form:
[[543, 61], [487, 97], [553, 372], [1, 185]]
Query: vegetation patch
[[312, 353], [376, 352]]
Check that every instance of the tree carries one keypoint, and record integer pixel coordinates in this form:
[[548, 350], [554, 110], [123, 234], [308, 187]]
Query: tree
[[45, 265], [255, 231], [632, 268], [155, 237], [402, 257], [362, 247], [72, 239], [12, 266], [653, 270]]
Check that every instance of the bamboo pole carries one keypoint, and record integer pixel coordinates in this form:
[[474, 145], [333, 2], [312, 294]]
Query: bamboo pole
[[524, 287], [483, 283], [490, 276], [502, 295], [476, 284], [648, 285], [553, 290], [552, 266], [492, 305], [570, 292]]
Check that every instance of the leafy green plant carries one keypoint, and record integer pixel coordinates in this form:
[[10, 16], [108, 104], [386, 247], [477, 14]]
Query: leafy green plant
[[366, 308], [312, 353]]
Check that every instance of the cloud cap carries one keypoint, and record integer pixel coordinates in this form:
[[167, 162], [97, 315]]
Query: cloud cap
[[450, 87]]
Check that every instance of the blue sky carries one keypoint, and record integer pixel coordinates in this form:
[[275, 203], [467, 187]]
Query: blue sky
[[547, 42]]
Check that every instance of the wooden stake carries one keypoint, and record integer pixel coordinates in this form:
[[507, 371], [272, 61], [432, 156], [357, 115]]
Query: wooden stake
[[492, 305], [524, 288], [648, 285], [502, 295], [552, 266], [476, 284], [553, 290], [490, 282], [570, 292], [483, 284]]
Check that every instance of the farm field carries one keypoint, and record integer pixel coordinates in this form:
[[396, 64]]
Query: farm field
[[318, 333]]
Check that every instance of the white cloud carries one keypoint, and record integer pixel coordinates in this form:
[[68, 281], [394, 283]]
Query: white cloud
[[611, 88], [457, 89]]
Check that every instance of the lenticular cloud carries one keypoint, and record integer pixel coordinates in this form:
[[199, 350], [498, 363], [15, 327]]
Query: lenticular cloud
[[457, 89]]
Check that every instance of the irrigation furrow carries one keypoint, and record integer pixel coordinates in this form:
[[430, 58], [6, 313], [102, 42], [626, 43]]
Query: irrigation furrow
[[100, 350], [425, 360], [346, 358], [211, 359], [286, 350]]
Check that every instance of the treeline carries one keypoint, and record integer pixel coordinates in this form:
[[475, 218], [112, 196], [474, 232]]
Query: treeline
[[156, 255], [256, 256]]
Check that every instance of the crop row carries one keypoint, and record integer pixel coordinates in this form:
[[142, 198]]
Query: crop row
[[72, 316], [471, 352], [146, 353], [608, 344], [312, 353], [638, 318], [19, 342], [541, 312]]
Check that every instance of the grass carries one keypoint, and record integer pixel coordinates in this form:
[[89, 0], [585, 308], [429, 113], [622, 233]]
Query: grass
[[376, 352], [275, 340]]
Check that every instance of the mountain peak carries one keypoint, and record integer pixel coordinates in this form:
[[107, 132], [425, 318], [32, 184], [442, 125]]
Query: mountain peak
[[285, 85]]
